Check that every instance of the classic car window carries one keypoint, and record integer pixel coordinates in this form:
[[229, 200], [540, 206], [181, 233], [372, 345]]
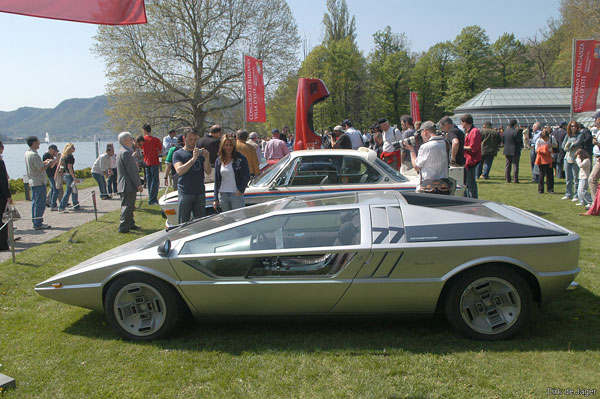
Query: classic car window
[[303, 230], [328, 170], [267, 175], [391, 172], [274, 266]]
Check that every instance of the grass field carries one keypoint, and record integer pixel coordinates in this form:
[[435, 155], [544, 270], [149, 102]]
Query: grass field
[[59, 351]]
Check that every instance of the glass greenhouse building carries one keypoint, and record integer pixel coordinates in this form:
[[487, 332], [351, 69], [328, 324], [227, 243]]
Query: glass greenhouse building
[[548, 105]]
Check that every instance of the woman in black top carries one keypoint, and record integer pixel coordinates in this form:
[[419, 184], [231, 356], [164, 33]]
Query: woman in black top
[[5, 199], [68, 163]]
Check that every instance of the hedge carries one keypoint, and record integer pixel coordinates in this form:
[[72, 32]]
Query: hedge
[[17, 185]]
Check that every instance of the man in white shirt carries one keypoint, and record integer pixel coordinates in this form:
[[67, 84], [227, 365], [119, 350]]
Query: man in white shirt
[[354, 134], [169, 141], [100, 170], [432, 160], [390, 135]]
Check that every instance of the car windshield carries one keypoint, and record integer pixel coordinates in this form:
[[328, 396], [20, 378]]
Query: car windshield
[[391, 172], [265, 177], [221, 219]]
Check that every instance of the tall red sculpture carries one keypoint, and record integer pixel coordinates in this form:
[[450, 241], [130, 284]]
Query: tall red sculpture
[[310, 92]]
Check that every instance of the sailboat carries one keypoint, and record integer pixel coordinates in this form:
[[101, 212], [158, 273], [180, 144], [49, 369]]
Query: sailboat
[[47, 139]]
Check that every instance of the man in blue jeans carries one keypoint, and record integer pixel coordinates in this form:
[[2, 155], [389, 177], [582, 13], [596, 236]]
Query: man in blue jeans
[[190, 164], [152, 147], [37, 180]]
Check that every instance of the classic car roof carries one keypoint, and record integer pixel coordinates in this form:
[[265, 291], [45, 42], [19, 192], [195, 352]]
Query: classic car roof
[[363, 152]]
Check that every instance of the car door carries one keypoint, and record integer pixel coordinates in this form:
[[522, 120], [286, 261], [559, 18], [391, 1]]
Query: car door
[[294, 262]]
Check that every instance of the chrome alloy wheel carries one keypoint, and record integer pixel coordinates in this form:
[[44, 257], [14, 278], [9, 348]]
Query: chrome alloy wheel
[[490, 305], [139, 309]]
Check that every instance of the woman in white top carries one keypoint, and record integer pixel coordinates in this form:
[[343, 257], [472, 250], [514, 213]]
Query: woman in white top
[[582, 159], [232, 175]]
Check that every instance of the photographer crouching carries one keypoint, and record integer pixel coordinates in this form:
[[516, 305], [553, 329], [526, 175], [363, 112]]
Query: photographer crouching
[[431, 161]]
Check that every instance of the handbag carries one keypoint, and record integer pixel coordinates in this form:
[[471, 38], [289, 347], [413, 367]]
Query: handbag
[[442, 186], [10, 212]]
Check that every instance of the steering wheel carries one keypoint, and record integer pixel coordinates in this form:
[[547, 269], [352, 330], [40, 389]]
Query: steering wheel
[[258, 240]]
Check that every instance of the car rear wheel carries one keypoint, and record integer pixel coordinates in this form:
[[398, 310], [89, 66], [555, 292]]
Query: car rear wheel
[[490, 303], [142, 308]]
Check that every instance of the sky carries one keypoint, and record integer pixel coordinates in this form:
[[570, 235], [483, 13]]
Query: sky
[[43, 62]]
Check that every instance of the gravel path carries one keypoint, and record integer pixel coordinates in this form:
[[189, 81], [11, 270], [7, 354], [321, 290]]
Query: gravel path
[[61, 222]]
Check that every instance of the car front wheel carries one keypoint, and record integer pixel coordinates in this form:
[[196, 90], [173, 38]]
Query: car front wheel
[[490, 303], [142, 308]]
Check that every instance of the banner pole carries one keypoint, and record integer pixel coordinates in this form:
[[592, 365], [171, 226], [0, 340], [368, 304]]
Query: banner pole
[[572, 71], [245, 88]]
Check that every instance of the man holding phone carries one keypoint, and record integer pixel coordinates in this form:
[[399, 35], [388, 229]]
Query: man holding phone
[[190, 164]]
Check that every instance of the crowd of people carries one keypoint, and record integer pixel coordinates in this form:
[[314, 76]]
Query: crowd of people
[[569, 151]]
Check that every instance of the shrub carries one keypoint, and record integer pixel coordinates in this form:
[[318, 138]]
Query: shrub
[[83, 173], [16, 186]]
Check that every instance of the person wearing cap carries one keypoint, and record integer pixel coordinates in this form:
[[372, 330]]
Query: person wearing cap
[[432, 160], [253, 141], [558, 154], [54, 155], [340, 140], [390, 135], [355, 136], [170, 175], [100, 170], [275, 148]]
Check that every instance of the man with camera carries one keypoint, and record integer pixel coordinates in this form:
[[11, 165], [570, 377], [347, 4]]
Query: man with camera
[[432, 159]]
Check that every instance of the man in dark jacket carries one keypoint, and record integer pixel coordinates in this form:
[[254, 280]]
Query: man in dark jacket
[[558, 154], [490, 143], [129, 182], [513, 143]]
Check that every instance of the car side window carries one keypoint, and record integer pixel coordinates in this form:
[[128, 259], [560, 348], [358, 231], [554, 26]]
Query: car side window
[[301, 230], [316, 171], [356, 171]]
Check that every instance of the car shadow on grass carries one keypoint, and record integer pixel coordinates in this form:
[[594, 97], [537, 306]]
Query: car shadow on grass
[[569, 323]]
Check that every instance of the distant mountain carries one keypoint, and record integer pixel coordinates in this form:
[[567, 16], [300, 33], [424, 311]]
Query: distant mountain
[[72, 119]]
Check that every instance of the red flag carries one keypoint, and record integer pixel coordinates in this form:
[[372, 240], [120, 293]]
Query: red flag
[[255, 90], [103, 12], [414, 107], [586, 75]]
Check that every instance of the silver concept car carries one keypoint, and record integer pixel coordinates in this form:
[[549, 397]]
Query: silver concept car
[[386, 252]]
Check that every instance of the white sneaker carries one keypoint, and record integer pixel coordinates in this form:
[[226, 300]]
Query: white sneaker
[[565, 197], [579, 204], [574, 199], [588, 206]]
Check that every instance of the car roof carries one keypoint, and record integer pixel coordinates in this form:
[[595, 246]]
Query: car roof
[[363, 152]]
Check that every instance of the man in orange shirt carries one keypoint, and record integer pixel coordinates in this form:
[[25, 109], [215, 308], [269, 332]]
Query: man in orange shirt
[[151, 148]]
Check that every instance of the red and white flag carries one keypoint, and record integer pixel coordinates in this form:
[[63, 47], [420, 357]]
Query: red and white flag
[[255, 90], [586, 75], [102, 12], [414, 107]]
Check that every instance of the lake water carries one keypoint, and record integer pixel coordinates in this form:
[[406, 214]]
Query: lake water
[[85, 155]]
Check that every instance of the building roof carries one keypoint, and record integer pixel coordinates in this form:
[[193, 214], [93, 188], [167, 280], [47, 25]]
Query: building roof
[[548, 105]]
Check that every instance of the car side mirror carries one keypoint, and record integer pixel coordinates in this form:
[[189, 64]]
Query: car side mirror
[[164, 248], [272, 186]]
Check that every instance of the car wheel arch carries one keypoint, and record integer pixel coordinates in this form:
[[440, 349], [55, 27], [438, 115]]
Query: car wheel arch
[[527, 275]]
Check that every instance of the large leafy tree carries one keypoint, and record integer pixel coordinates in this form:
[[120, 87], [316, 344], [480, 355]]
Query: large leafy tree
[[544, 50], [390, 66], [510, 65], [185, 65], [430, 79], [337, 22]]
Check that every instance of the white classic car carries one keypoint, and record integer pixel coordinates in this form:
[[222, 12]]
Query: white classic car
[[314, 172]]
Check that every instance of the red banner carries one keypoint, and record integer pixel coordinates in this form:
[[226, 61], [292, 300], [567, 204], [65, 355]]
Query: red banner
[[586, 75], [255, 90], [414, 107], [103, 12]]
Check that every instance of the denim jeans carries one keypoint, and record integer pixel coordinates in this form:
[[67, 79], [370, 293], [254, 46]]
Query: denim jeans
[[153, 182], [101, 183], [69, 191], [191, 204], [470, 183], [582, 192], [53, 192], [38, 204], [485, 166], [572, 176], [112, 182], [229, 201]]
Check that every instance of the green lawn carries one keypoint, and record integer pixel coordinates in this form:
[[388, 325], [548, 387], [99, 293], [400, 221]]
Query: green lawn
[[55, 350]]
